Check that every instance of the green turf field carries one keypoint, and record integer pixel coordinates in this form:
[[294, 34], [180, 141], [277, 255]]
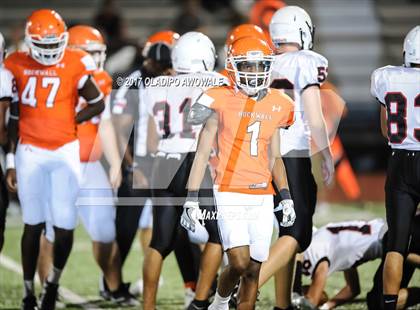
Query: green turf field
[[81, 274]]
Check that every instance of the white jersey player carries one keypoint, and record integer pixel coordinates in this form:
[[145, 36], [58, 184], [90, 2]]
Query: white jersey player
[[295, 72], [300, 72], [343, 245], [339, 247], [397, 88], [169, 106], [174, 141], [6, 97]]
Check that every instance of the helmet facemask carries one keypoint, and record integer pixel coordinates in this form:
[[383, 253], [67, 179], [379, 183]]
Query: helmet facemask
[[98, 53], [48, 50], [252, 73]]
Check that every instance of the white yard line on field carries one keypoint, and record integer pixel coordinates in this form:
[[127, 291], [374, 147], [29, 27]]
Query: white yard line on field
[[67, 294]]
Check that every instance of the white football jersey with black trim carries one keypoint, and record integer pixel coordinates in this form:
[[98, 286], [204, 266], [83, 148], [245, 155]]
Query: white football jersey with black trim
[[343, 244], [6, 84], [294, 72], [169, 100], [398, 89]]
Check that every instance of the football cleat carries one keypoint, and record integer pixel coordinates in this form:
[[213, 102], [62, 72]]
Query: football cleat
[[49, 296], [136, 289], [233, 301], [123, 298], [302, 303], [104, 291], [29, 303], [194, 306]]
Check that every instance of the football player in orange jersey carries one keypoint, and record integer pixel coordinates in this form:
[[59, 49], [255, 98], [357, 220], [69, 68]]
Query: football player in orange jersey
[[246, 119], [6, 97], [49, 80], [97, 136], [242, 31]]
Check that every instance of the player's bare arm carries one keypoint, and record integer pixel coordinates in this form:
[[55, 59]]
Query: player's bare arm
[[319, 281], [202, 155], [414, 259], [198, 169], [152, 136], [313, 111], [112, 155], [348, 292], [93, 96], [280, 179], [278, 171]]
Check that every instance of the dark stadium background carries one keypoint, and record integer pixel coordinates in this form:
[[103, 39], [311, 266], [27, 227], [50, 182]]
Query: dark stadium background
[[356, 36]]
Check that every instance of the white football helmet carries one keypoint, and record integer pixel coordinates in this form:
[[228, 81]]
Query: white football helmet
[[412, 47], [292, 24], [194, 52], [2, 48]]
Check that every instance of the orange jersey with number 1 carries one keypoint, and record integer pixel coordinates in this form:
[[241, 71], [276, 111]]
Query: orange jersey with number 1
[[245, 129], [48, 96], [87, 132]]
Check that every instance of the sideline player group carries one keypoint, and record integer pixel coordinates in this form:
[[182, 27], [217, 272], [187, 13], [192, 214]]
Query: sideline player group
[[240, 149]]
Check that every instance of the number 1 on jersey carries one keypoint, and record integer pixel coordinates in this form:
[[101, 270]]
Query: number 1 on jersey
[[254, 130]]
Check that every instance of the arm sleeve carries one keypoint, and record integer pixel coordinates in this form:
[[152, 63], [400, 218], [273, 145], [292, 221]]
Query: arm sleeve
[[87, 67], [313, 70], [377, 86], [203, 107]]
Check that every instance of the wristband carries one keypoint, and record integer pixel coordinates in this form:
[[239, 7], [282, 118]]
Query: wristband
[[192, 196], [285, 194], [10, 161], [131, 168]]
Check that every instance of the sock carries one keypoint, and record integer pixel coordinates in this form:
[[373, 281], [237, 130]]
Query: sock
[[390, 302], [220, 301], [190, 285], [28, 288], [297, 284], [200, 303], [54, 275]]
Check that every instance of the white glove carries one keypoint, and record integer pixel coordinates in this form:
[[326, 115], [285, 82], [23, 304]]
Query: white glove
[[190, 215], [289, 215], [324, 307]]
